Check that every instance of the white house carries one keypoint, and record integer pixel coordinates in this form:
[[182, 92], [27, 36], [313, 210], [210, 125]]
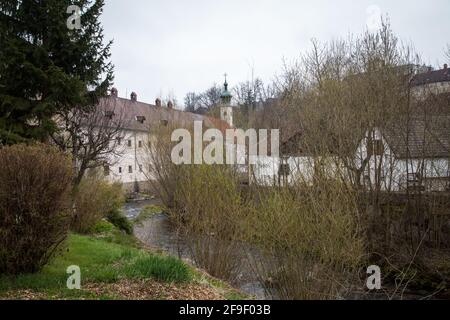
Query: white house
[[406, 157], [415, 157], [431, 82]]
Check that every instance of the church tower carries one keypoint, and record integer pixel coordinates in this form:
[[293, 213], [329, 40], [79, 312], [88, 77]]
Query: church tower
[[226, 110]]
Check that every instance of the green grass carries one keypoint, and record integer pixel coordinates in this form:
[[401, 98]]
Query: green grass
[[99, 261], [167, 269], [107, 256]]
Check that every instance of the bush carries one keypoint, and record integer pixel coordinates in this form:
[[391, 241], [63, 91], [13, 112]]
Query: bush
[[94, 199], [309, 238], [117, 218], [34, 220], [163, 174], [208, 210], [102, 226]]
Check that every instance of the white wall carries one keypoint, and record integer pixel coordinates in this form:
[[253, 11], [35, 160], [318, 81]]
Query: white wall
[[127, 156], [394, 171]]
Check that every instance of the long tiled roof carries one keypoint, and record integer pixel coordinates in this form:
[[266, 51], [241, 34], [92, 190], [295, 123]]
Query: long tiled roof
[[442, 75], [417, 138], [420, 138], [130, 111]]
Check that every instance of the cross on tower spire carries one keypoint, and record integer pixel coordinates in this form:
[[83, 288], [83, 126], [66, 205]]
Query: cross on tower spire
[[226, 95], [226, 83]]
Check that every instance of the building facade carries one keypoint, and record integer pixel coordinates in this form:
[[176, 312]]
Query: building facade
[[129, 164]]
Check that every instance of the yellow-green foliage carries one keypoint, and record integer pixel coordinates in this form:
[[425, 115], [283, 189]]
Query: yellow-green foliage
[[207, 203], [311, 234], [208, 198]]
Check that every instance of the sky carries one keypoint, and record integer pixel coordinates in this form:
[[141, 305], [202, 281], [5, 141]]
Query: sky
[[171, 47]]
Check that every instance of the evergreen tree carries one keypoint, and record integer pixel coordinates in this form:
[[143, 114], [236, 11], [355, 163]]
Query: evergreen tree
[[47, 67]]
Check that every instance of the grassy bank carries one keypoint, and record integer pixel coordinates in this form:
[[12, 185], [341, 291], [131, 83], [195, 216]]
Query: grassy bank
[[114, 266]]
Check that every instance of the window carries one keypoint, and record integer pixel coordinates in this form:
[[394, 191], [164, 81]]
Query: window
[[129, 143], [140, 119], [140, 168], [120, 169], [119, 141], [284, 169], [164, 122], [375, 147], [415, 182], [140, 144], [413, 177], [106, 170], [130, 169]]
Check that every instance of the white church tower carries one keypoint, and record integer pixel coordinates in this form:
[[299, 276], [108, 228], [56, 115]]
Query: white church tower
[[226, 110]]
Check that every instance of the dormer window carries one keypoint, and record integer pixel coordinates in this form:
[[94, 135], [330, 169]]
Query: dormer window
[[140, 119], [109, 114]]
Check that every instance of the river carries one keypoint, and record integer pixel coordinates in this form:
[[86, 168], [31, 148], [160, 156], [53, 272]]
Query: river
[[159, 233]]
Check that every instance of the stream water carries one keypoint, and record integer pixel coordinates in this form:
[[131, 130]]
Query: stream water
[[159, 233]]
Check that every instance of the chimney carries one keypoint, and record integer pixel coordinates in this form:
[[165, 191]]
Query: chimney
[[134, 96], [445, 66], [158, 102], [114, 92], [170, 104]]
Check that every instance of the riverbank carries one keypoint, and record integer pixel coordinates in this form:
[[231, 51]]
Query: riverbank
[[115, 266], [156, 230]]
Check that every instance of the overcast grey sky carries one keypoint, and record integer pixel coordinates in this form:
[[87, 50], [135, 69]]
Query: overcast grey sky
[[176, 46]]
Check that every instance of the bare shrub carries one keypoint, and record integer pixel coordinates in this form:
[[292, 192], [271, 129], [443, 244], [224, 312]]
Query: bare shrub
[[162, 174], [354, 103], [95, 199], [208, 212], [310, 240], [34, 220]]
